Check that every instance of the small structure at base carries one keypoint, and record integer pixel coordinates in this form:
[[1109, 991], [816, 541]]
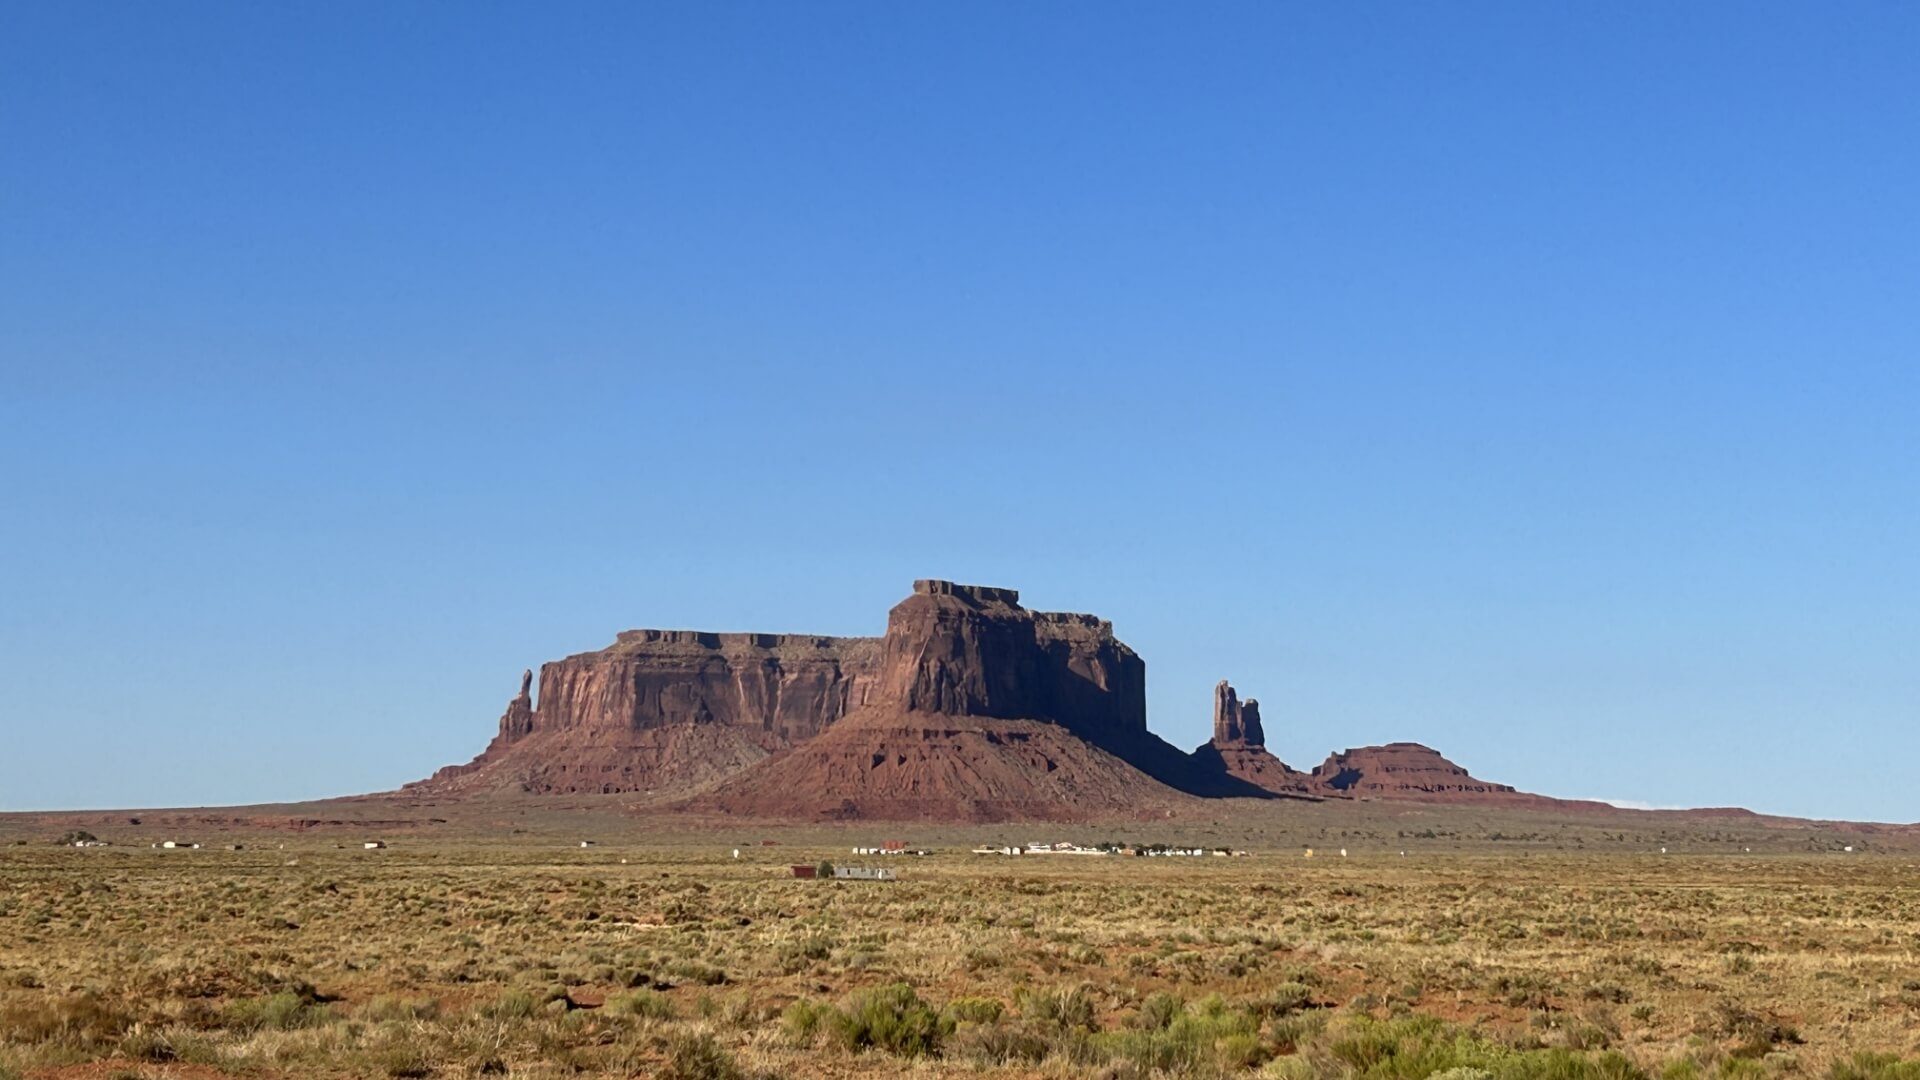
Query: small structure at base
[[806, 872], [862, 873], [374, 845]]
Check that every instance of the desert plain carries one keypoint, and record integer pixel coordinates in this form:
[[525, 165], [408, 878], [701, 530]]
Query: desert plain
[[485, 940]]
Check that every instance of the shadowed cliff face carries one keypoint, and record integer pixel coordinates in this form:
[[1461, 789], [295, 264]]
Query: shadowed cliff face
[[969, 650], [1096, 684], [960, 650]]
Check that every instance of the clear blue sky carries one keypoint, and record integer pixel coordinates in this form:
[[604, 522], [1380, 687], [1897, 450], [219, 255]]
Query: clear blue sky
[[1536, 381]]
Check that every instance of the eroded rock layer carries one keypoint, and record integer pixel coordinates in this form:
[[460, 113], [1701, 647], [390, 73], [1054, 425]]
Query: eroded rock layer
[[668, 710]]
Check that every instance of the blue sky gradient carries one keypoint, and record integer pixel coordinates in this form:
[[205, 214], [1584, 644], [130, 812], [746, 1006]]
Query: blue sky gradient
[[1536, 381]]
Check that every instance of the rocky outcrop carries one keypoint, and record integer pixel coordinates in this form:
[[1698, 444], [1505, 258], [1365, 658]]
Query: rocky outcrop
[[1238, 748], [971, 707], [667, 710], [1405, 770]]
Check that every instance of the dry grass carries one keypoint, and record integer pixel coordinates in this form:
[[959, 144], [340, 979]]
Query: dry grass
[[531, 960]]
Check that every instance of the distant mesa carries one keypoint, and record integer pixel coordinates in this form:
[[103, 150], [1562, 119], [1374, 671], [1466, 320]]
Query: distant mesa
[[969, 708], [1405, 770]]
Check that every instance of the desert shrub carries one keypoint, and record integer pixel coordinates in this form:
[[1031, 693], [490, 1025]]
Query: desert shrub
[[646, 1004], [1287, 1033], [79, 1022], [795, 955], [287, 1010], [696, 1056], [403, 1059], [694, 971], [1216, 1030], [1285, 998], [1068, 1008], [800, 1020], [973, 1010], [1418, 1047], [999, 1044], [148, 1044], [512, 1005], [740, 1013], [1159, 1010], [1754, 1033], [983, 959], [1240, 1051], [1874, 1067], [1290, 1068], [1152, 1051], [890, 1018]]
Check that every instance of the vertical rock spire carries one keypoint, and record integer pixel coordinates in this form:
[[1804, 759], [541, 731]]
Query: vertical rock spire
[[1250, 728], [1226, 713], [517, 721], [1236, 722]]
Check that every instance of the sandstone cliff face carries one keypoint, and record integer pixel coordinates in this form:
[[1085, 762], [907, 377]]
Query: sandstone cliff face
[[662, 710], [971, 650], [960, 650], [786, 685]]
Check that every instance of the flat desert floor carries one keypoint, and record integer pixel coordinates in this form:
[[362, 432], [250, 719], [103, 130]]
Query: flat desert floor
[[659, 953]]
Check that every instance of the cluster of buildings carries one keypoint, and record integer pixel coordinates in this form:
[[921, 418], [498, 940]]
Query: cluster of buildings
[[891, 847], [1067, 847], [843, 873]]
